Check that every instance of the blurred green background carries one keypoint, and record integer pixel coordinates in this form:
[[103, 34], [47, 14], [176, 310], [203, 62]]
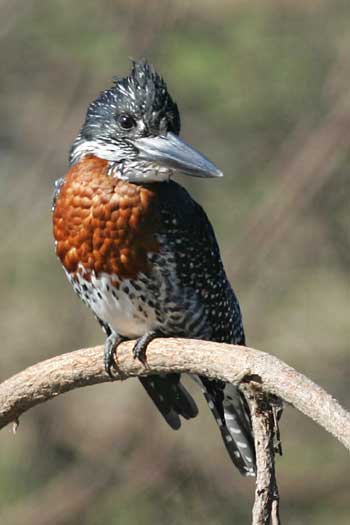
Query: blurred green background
[[263, 89]]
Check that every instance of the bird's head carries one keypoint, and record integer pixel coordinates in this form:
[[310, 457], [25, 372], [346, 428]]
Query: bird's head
[[135, 126]]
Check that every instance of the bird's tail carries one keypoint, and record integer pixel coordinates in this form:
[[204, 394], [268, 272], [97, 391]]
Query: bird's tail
[[170, 397], [231, 412]]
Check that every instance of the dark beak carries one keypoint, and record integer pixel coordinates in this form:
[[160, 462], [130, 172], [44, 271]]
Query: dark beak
[[174, 153]]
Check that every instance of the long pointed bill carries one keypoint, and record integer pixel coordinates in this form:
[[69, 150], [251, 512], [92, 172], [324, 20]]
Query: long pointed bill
[[174, 153]]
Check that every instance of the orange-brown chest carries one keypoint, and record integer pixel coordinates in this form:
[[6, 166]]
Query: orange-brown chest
[[103, 224]]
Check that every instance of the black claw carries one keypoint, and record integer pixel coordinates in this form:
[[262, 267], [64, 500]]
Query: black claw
[[139, 350], [111, 345]]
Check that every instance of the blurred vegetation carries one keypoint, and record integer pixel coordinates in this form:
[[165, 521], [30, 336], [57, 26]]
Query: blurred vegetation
[[263, 89]]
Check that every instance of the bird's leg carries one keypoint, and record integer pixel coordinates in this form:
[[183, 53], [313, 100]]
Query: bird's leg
[[141, 344], [111, 344]]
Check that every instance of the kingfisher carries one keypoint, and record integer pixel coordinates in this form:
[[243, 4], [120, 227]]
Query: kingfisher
[[142, 254]]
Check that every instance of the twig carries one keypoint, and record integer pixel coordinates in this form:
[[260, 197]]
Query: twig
[[263, 408]]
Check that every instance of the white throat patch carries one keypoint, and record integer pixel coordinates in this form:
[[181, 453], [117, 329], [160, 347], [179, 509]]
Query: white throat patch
[[138, 171]]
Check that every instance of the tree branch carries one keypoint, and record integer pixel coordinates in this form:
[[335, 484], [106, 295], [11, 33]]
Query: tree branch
[[60, 374], [263, 378]]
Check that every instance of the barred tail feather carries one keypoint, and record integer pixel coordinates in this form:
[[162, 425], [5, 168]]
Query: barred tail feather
[[170, 397], [231, 413], [237, 419]]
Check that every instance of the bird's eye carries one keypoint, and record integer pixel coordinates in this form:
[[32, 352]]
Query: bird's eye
[[126, 122]]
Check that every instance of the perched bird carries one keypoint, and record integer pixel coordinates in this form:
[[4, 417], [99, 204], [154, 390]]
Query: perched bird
[[141, 253]]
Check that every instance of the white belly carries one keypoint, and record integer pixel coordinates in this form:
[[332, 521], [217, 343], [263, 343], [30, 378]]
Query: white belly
[[122, 309]]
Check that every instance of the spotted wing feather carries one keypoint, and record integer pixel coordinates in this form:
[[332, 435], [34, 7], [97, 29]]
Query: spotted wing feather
[[211, 311]]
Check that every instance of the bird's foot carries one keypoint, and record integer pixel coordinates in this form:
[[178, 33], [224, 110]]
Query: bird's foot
[[139, 350], [110, 352]]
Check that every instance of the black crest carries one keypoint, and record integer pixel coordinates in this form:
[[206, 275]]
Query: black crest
[[146, 86], [142, 94]]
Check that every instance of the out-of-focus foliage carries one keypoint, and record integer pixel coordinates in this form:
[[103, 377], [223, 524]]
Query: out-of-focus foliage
[[263, 88]]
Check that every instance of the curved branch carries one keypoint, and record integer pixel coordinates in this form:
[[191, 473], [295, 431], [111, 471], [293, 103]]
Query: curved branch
[[66, 372]]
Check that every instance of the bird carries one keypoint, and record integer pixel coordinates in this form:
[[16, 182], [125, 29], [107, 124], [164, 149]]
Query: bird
[[142, 253]]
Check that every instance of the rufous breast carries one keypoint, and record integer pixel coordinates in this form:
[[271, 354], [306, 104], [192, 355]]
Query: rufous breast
[[104, 224]]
